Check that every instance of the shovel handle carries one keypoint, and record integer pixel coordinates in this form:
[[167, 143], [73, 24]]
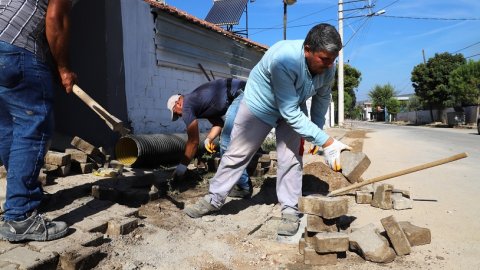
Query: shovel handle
[[399, 173]]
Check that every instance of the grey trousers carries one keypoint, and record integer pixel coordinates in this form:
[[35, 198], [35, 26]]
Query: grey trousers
[[247, 136]]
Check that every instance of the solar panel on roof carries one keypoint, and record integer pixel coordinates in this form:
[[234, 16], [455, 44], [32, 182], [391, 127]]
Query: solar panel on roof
[[226, 12]]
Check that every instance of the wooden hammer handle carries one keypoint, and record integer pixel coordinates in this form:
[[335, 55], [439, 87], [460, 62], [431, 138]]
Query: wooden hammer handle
[[399, 173]]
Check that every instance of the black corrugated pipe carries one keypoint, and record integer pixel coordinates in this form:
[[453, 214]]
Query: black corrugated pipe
[[152, 150]]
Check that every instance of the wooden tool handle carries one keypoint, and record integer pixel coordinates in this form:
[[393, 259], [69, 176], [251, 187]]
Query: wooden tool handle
[[113, 122], [399, 173]]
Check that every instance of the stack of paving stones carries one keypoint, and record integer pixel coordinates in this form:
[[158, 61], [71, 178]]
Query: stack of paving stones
[[373, 246], [384, 196], [322, 242], [84, 158]]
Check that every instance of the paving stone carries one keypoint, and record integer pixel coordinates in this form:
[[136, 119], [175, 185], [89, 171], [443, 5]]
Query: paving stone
[[105, 193], [309, 237], [122, 226], [301, 245], [77, 155], [404, 193], [382, 198], [63, 244], [57, 158], [416, 236], [79, 258], [82, 167], [6, 246], [372, 246], [396, 235], [122, 210], [8, 266], [327, 242], [3, 172], [363, 197], [326, 207], [84, 146], [311, 257], [29, 259], [273, 155], [354, 164], [401, 203], [319, 224], [91, 225]]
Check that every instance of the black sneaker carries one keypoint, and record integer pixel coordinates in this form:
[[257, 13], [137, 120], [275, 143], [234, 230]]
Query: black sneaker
[[36, 227], [238, 192]]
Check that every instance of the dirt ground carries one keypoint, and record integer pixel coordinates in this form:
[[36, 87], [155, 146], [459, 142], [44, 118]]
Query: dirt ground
[[243, 234]]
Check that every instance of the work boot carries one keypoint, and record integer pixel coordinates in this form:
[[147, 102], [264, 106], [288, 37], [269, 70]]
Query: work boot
[[288, 225], [238, 192], [200, 208], [35, 227]]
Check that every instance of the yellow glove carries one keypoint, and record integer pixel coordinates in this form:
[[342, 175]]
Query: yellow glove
[[313, 150], [209, 145]]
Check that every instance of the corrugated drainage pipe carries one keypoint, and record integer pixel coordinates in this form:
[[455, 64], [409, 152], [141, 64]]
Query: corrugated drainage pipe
[[151, 150]]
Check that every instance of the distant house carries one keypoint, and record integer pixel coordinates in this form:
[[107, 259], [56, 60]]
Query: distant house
[[132, 55], [378, 113]]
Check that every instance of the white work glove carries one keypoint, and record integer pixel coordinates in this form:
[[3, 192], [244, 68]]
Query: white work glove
[[209, 145], [332, 154], [180, 171]]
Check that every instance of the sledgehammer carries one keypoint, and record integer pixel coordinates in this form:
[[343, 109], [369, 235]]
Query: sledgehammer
[[112, 122], [399, 173]]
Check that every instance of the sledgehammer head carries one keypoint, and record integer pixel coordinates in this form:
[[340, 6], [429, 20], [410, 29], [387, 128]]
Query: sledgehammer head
[[354, 164]]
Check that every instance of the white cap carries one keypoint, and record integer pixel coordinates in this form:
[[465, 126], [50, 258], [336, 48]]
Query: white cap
[[171, 103]]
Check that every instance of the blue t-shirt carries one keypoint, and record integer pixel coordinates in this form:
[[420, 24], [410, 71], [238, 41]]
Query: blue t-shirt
[[210, 101], [280, 84]]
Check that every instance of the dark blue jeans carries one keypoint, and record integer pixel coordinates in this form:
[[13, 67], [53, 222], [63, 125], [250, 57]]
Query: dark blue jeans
[[26, 123]]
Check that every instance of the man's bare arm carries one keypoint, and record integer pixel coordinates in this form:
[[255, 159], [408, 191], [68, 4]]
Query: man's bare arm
[[57, 24]]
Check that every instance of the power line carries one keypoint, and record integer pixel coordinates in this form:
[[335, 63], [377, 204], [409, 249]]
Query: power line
[[472, 56], [280, 26], [466, 47], [431, 18]]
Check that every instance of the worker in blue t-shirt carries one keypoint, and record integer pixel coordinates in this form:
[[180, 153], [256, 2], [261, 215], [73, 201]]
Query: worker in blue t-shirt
[[217, 101]]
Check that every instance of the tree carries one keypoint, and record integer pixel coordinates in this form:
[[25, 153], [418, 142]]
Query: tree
[[464, 84], [430, 80], [381, 94], [393, 106], [351, 80], [414, 104]]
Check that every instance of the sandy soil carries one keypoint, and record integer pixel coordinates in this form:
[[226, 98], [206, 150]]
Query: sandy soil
[[243, 234]]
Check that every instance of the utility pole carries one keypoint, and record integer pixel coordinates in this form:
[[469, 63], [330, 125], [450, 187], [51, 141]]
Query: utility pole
[[423, 53], [285, 3], [340, 66]]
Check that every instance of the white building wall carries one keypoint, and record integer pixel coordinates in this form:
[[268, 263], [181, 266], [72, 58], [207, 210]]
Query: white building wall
[[161, 59]]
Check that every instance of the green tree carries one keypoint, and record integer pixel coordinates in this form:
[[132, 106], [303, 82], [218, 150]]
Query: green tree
[[464, 84], [351, 80], [414, 104], [381, 94], [430, 80], [393, 106]]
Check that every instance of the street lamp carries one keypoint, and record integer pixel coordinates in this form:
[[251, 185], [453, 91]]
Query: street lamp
[[285, 3]]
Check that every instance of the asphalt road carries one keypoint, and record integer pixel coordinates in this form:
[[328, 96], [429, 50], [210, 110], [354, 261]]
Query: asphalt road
[[453, 217]]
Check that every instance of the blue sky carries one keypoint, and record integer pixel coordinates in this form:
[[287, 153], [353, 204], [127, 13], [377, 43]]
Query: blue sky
[[384, 48]]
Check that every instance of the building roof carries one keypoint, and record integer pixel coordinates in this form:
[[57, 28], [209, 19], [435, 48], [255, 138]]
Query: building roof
[[207, 25]]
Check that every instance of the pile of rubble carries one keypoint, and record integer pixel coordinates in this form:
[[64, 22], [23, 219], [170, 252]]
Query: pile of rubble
[[327, 236]]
